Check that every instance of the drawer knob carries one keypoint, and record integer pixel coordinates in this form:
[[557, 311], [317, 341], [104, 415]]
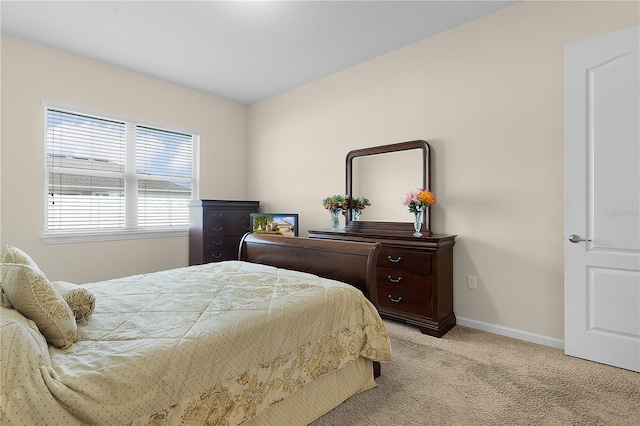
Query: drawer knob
[[217, 243], [394, 280], [217, 229], [216, 256], [398, 300], [396, 260]]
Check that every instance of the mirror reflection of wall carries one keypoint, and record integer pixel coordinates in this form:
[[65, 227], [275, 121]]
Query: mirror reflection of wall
[[385, 179]]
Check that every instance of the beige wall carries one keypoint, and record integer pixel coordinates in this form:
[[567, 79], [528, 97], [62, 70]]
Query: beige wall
[[488, 97], [33, 73]]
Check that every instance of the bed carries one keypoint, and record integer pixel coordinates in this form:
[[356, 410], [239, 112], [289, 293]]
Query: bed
[[281, 336]]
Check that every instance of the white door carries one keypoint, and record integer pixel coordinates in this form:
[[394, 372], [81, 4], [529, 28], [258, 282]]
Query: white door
[[602, 199]]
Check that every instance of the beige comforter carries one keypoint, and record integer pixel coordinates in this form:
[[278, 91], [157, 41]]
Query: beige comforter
[[216, 343]]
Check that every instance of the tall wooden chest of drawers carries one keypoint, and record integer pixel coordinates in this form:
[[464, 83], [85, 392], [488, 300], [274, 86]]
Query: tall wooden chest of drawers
[[414, 278], [216, 228]]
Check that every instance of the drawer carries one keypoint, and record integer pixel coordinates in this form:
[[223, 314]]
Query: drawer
[[401, 280], [227, 253], [222, 243], [409, 303], [227, 222], [406, 260]]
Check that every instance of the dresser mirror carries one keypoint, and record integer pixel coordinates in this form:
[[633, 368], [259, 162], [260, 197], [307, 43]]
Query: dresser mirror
[[384, 174]]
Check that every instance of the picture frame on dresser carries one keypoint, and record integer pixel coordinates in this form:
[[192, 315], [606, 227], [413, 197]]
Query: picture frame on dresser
[[286, 224]]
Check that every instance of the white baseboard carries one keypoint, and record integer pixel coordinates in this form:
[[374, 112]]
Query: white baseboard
[[511, 332]]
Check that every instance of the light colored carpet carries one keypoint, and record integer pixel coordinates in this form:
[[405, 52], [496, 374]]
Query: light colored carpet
[[471, 377]]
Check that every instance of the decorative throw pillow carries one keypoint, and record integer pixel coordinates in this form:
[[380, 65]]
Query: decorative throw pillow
[[81, 301], [34, 296], [11, 254]]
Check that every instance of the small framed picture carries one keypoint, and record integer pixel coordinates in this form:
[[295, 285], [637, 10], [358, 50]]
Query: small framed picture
[[275, 223]]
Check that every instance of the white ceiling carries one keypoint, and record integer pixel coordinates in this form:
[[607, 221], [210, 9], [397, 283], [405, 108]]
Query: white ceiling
[[245, 51]]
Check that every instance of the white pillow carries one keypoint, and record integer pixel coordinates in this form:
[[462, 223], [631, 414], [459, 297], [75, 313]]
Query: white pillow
[[34, 296], [81, 301], [11, 254]]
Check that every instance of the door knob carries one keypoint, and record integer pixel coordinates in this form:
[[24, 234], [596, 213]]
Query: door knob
[[576, 238]]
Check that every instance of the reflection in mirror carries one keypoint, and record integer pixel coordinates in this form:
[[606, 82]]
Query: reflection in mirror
[[385, 179]]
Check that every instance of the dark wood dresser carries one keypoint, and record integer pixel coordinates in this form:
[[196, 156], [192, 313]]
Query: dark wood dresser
[[414, 277], [216, 228]]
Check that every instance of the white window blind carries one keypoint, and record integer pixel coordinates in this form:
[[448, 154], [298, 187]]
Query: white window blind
[[164, 165], [115, 175]]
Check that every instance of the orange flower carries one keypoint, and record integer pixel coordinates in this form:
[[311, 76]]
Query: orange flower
[[419, 200], [427, 197]]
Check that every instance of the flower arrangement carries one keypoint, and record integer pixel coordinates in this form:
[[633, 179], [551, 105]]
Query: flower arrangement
[[335, 202], [359, 204], [419, 200]]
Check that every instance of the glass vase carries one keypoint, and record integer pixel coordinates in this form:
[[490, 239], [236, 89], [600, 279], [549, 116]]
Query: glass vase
[[355, 214], [417, 223], [335, 218]]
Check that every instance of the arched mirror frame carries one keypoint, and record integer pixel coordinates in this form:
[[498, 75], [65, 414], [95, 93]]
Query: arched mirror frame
[[394, 228]]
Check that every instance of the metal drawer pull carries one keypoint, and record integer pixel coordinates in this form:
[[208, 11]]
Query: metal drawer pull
[[217, 243], [216, 256], [394, 280], [398, 300], [391, 259], [217, 229]]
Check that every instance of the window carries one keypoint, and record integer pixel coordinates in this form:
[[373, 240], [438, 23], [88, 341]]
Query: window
[[108, 177]]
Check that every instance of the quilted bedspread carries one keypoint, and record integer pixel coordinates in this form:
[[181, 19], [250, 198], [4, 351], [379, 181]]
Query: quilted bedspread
[[215, 343]]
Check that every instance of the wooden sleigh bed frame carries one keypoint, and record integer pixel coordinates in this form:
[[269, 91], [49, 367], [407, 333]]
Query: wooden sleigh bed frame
[[346, 261], [350, 262]]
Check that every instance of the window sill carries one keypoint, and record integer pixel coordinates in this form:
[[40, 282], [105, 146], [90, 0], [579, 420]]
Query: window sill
[[80, 237]]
